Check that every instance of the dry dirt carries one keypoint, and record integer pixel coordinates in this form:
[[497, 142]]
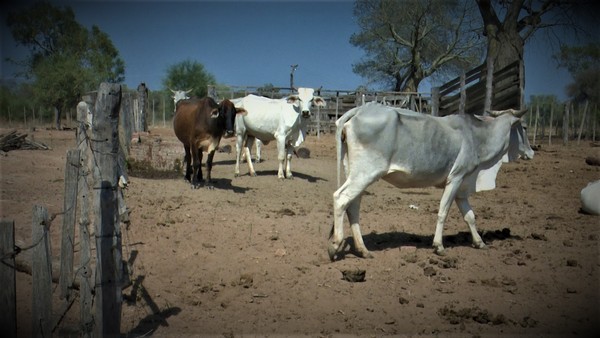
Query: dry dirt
[[250, 257]]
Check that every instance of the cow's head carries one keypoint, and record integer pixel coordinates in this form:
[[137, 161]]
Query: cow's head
[[228, 111], [179, 95], [518, 145], [304, 99]]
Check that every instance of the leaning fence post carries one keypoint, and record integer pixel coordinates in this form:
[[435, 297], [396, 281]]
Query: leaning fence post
[[8, 291], [105, 145], [463, 94], [41, 272], [68, 230]]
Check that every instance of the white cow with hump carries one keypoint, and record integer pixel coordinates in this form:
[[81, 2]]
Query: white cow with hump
[[460, 153], [273, 119]]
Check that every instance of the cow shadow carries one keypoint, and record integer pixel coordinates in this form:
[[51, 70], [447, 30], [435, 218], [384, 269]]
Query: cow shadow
[[226, 184], [297, 175], [397, 239]]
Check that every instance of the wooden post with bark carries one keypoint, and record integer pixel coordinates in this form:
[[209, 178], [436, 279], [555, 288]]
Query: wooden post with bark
[[41, 272], [463, 94], [585, 109], [565, 126], [84, 181], [435, 101], [105, 146], [8, 279], [68, 230]]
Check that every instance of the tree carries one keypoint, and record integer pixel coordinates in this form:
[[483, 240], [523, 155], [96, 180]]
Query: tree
[[509, 24], [66, 59], [187, 75], [408, 41], [583, 62]]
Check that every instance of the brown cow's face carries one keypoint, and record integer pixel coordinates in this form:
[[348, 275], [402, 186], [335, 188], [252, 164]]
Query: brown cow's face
[[227, 109]]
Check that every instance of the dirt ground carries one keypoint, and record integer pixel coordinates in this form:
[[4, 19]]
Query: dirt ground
[[250, 257]]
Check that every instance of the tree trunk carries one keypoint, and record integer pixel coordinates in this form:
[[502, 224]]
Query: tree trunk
[[57, 114]]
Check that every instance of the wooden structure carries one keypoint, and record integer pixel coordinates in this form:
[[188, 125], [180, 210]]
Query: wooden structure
[[97, 156], [474, 91]]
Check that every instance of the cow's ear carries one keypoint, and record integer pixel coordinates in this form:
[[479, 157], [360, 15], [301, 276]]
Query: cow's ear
[[241, 111], [293, 99], [214, 113], [319, 102]]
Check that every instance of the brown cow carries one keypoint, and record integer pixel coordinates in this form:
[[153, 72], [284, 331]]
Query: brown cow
[[199, 125]]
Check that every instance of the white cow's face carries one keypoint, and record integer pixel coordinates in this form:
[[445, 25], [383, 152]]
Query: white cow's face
[[305, 99], [179, 95]]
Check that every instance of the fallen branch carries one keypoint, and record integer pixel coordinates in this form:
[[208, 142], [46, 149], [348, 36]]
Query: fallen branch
[[14, 140]]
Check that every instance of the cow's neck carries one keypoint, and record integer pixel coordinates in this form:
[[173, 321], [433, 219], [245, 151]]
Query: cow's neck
[[493, 139]]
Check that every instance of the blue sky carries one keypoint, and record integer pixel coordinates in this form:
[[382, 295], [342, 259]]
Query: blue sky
[[248, 43]]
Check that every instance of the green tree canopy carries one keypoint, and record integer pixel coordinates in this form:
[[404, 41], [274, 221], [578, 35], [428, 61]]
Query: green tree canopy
[[583, 62], [408, 41], [188, 75], [66, 59]]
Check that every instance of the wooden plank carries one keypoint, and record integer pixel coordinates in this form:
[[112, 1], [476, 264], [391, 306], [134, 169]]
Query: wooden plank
[[8, 291], [68, 230], [105, 145], [85, 270], [41, 273]]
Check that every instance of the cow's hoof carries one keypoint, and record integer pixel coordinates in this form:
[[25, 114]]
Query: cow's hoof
[[366, 254], [439, 250], [480, 245], [210, 187], [332, 253]]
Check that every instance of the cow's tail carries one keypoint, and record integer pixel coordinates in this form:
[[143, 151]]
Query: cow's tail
[[341, 148]]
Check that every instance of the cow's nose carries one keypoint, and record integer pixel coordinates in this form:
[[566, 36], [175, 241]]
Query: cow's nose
[[305, 113]]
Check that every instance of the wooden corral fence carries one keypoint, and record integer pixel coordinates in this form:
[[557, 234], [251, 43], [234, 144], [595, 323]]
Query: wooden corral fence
[[92, 192], [474, 92], [338, 101]]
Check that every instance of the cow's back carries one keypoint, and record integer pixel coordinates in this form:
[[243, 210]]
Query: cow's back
[[265, 117]]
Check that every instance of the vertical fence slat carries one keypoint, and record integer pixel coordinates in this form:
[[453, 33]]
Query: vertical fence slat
[[8, 292], [68, 230], [85, 270], [108, 238], [41, 272]]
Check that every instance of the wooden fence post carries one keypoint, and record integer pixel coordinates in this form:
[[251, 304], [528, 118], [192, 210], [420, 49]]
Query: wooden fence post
[[551, 118], [68, 230], [8, 291], [463, 94], [565, 130], [535, 128], [41, 272], [435, 101], [489, 86], [105, 145], [85, 271], [585, 108]]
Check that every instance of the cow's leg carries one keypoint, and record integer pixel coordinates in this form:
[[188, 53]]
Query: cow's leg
[[238, 149], [469, 217], [249, 142], [188, 163], [445, 203], [209, 164], [347, 200], [197, 171], [288, 162], [353, 213], [281, 155]]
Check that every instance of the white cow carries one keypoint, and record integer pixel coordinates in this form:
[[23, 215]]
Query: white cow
[[460, 153], [590, 198], [269, 119], [179, 95]]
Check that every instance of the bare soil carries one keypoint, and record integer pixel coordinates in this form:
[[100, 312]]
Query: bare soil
[[250, 257]]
